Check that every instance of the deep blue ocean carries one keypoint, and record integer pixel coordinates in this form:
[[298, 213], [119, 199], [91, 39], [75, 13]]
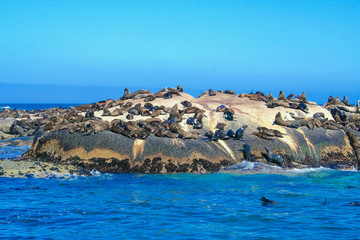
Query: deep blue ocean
[[36, 106], [223, 205]]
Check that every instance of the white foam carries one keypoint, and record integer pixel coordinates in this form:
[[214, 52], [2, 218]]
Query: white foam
[[246, 167]]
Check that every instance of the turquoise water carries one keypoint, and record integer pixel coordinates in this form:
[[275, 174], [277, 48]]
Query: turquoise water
[[223, 205]]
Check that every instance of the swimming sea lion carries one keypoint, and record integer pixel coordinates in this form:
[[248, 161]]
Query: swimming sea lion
[[266, 201], [274, 158]]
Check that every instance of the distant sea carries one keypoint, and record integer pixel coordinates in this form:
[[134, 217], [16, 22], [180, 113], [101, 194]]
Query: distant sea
[[37, 106]]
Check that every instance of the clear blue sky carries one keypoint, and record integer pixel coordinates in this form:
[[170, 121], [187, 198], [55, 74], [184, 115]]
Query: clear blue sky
[[94, 49]]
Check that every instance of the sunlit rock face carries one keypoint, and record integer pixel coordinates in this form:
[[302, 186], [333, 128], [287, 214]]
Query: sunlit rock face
[[129, 135]]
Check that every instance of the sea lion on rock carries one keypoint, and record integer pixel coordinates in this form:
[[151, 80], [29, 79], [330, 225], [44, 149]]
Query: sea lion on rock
[[190, 121], [186, 103], [179, 88], [279, 120], [198, 124], [221, 108], [168, 95], [289, 97], [262, 135], [230, 133], [220, 134], [90, 113], [270, 132], [319, 116], [212, 92], [128, 105], [346, 101], [247, 152], [240, 132], [281, 96], [220, 126], [274, 158], [149, 98], [210, 135], [126, 94], [229, 115], [116, 112]]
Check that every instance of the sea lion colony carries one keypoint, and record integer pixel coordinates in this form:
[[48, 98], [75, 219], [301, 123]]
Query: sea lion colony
[[135, 116]]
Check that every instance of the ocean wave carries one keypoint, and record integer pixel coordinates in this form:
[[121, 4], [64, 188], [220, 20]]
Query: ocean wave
[[246, 167]]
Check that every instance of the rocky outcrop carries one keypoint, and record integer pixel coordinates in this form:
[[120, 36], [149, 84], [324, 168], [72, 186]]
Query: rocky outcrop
[[170, 131]]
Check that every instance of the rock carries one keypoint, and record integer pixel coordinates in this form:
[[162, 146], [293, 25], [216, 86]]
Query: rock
[[172, 145]]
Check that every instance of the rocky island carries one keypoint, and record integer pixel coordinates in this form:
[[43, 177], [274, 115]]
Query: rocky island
[[171, 131]]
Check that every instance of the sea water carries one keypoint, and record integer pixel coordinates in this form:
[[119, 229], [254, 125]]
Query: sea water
[[224, 205]]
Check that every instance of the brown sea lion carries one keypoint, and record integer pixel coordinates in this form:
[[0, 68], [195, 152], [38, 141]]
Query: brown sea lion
[[281, 96]]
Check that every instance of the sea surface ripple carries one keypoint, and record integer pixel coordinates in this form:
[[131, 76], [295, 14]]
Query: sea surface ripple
[[222, 205]]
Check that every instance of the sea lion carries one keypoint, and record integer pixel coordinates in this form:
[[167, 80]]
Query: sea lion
[[260, 94], [220, 126], [210, 135], [179, 88], [212, 92], [230, 133], [220, 134], [134, 111], [247, 152], [240, 132], [126, 94], [281, 96], [198, 124], [186, 103], [190, 121], [266, 201], [279, 120], [303, 107], [355, 204], [274, 158], [289, 97], [106, 112], [346, 101], [128, 105], [262, 135], [229, 115], [130, 116], [168, 95], [189, 110], [149, 98], [319, 116], [302, 97], [221, 108], [116, 112], [142, 93], [170, 134], [90, 113]]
